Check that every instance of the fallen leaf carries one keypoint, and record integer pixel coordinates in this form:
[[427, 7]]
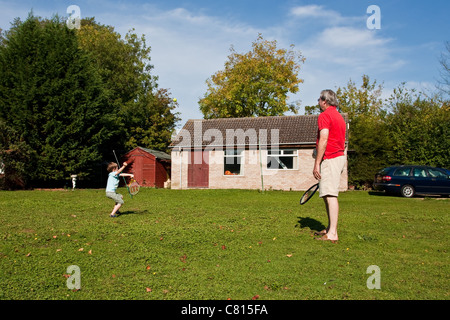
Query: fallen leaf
[[148, 268], [148, 289], [28, 254], [255, 297], [90, 251], [223, 247], [81, 249], [289, 255]]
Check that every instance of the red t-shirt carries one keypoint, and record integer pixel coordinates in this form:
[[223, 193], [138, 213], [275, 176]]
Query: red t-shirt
[[332, 120]]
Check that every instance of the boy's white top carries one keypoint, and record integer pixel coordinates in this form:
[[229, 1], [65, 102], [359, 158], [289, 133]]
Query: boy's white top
[[113, 182]]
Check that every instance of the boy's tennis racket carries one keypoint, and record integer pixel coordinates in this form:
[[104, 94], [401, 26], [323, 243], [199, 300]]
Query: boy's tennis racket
[[133, 187], [309, 193]]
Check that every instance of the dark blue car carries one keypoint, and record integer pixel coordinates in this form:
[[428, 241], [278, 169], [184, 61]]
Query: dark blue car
[[411, 180]]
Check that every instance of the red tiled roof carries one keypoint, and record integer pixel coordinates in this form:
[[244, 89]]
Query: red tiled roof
[[286, 130]]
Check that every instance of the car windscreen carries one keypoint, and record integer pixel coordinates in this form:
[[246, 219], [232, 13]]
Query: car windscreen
[[435, 173]]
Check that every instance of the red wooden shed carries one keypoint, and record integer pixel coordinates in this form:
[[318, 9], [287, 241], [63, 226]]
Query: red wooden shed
[[151, 168]]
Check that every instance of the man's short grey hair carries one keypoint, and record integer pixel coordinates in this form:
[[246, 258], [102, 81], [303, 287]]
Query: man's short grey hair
[[329, 97]]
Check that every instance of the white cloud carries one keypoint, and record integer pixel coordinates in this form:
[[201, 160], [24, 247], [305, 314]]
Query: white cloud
[[354, 49], [313, 11], [348, 37], [322, 15]]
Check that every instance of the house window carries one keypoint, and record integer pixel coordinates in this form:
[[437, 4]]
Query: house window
[[282, 159], [232, 162]]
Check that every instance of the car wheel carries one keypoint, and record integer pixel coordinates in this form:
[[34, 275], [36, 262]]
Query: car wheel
[[407, 191]]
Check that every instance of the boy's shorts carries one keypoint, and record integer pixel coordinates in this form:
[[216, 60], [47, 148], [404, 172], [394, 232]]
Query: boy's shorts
[[118, 198], [330, 171]]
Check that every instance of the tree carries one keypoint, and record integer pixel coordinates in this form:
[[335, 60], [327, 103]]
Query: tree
[[144, 113], [52, 95], [370, 146], [256, 83], [15, 157], [151, 123], [74, 95], [419, 127]]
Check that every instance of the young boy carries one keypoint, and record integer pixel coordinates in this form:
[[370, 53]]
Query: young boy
[[113, 183]]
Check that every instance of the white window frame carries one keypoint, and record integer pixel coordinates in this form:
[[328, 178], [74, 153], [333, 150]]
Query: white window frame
[[282, 153], [237, 153]]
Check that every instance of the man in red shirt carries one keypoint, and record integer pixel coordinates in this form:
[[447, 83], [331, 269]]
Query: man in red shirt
[[330, 159]]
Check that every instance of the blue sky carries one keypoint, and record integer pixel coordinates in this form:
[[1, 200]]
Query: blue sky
[[190, 39]]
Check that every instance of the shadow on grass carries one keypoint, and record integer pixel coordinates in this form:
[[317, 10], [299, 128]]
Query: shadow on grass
[[310, 223], [122, 213], [398, 195]]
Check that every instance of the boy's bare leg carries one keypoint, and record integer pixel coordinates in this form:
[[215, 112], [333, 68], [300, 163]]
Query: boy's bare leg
[[116, 208]]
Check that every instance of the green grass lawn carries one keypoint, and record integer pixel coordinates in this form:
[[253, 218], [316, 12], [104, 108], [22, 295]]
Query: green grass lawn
[[220, 244]]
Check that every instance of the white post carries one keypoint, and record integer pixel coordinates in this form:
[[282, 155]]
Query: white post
[[74, 181]]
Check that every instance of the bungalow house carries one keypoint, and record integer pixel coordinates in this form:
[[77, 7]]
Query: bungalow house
[[247, 153]]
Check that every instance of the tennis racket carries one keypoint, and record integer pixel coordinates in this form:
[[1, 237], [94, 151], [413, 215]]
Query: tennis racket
[[133, 187], [309, 193]]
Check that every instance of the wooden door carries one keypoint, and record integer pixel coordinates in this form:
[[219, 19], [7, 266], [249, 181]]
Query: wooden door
[[198, 169]]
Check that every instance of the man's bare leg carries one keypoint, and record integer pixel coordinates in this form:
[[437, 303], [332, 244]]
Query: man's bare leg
[[332, 206]]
